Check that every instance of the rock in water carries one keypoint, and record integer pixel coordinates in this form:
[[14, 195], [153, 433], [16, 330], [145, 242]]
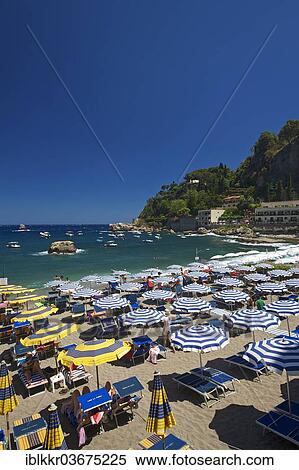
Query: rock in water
[[62, 247]]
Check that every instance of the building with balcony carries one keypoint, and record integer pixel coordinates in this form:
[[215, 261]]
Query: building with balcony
[[208, 217], [277, 212]]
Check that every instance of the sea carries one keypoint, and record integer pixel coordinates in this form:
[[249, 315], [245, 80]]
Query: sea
[[32, 266]]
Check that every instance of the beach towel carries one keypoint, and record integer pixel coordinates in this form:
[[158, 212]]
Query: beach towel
[[97, 417], [82, 437]]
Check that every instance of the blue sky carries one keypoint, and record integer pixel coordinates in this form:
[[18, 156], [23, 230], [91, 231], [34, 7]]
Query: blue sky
[[150, 76]]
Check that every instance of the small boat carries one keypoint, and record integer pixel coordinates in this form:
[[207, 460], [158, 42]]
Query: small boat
[[69, 233], [110, 244], [148, 241], [136, 236], [45, 234], [79, 233], [99, 240], [22, 228], [13, 245]]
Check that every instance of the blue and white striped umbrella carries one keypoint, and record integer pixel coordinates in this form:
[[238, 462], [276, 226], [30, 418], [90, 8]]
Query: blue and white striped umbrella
[[256, 277], [69, 286], [229, 282], [277, 273], [185, 304], [253, 320], [246, 268], [55, 283], [285, 308], [164, 280], [231, 296], [294, 271], [264, 266], [197, 265], [111, 302], [92, 278], [197, 288], [143, 316], [174, 266], [279, 354], [221, 269], [130, 286], [200, 338], [85, 293], [199, 274], [292, 284], [108, 278], [271, 288], [158, 294]]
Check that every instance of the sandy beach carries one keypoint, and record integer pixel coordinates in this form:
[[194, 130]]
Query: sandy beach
[[228, 424]]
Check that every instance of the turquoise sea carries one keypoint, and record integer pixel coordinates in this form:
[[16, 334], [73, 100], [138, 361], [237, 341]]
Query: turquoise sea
[[30, 265]]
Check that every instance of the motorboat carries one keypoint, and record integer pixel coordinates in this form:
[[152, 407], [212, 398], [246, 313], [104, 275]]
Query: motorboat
[[22, 228], [13, 245], [69, 233], [45, 234]]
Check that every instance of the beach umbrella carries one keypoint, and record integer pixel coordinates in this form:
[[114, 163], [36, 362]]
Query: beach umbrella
[[221, 269], [197, 289], [231, 296], [143, 317], [15, 290], [294, 271], [174, 266], [292, 284], [27, 298], [85, 293], [33, 314], [256, 277], [55, 283], [246, 268], [8, 397], [271, 288], [200, 338], [197, 265], [264, 266], [199, 275], [92, 278], [112, 302], [131, 286], [158, 294], [104, 279], [54, 439], [285, 308], [279, 273], [69, 286], [229, 282], [253, 320], [120, 273], [52, 333], [94, 353], [185, 304], [160, 416], [278, 354], [164, 280]]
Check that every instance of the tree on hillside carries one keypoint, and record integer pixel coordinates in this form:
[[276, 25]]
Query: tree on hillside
[[289, 131], [265, 142]]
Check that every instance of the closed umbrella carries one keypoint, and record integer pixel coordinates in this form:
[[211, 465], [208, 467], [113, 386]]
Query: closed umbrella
[[160, 416], [54, 439], [8, 397]]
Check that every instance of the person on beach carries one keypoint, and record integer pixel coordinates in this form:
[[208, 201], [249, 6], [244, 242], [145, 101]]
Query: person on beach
[[166, 333], [149, 283], [250, 303], [260, 303], [153, 353], [31, 366]]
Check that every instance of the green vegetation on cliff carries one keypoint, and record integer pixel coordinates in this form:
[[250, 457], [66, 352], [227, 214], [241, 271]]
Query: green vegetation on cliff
[[264, 175]]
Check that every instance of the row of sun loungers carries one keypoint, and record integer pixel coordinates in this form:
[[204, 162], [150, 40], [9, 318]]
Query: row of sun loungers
[[207, 382]]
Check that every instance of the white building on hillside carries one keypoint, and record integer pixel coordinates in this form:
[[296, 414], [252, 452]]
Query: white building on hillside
[[277, 212], [209, 216]]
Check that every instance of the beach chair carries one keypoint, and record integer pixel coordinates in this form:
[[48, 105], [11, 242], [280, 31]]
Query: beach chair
[[224, 381], [38, 383], [107, 328], [18, 353], [29, 433], [208, 390], [78, 312], [40, 324], [238, 361], [92, 405], [75, 375], [170, 442], [21, 329], [3, 440], [283, 425], [6, 334], [284, 407], [129, 393], [46, 350]]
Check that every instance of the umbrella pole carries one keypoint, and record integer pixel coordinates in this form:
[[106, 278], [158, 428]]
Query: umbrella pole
[[288, 389], [288, 326], [200, 360], [98, 380], [8, 432], [253, 336]]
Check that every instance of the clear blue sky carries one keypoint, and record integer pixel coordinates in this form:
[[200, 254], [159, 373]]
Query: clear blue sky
[[150, 77]]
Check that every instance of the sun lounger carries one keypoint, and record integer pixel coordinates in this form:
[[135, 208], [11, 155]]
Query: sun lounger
[[19, 352], [204, 387], [285, 408], [283, 425], [38, 383], [78, 312], [3, 441], [225, 382], [129, 393], [76, 375], [107, 328], [238, 360], [29, 433], [6, 333], [170, 442]]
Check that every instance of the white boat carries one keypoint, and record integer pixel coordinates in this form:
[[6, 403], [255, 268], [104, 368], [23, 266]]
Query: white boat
[[13, 245], [22, 228], [45, 234], [148, 241], [136, 236], [69, 233], [80, 233], [110, 244]]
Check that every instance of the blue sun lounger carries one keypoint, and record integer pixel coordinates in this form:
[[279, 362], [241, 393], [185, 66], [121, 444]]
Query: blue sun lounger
[[284, 408], [204, 387], [128, 394], [238, 360], [283, 425], [225, 382], [94, 399], [170, 442]]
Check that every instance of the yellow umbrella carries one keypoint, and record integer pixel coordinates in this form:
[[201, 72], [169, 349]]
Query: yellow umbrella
[[8, 397], [94, 353], [27, 298], [35, 314], [46, 335], [16, 291]]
